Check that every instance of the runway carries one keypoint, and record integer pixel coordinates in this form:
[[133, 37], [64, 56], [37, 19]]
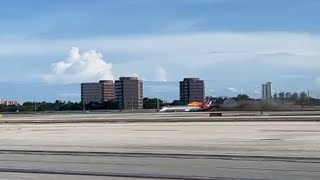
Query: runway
[[193, 150], [159, 117]]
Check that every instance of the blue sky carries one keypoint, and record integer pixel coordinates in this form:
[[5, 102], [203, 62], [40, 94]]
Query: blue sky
[[235, 45], [81, 18]]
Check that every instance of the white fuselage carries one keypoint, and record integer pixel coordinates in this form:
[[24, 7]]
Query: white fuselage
[[179, 108]]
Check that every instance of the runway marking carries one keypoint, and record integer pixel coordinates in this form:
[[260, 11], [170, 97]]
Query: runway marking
[[153, 130], [72, 162], [270, 139], [268, 169], [112, 174], [167, 155], [302, 131], [49, 129]]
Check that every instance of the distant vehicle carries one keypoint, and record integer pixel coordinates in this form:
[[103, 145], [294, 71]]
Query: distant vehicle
[[192, 107]]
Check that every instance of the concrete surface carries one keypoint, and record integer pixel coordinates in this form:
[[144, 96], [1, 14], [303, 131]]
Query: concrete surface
[[197, 150], [160, 117]]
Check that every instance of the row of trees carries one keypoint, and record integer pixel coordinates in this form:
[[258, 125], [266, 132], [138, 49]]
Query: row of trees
[[153, 103], [291, 96], [59, 106], [43, 106], [148, 103]]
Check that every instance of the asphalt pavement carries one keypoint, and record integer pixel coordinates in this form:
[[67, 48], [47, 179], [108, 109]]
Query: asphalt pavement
[[159, 117], [196, 150]]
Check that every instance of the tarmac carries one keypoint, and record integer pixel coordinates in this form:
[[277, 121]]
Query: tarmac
[[160, 150], [159, 117]]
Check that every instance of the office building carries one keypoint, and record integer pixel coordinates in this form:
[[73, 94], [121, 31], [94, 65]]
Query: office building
[[192, 89], [101, 91], [129, 93], [107, 90], [266, 91], [5, 102], [91, 92], [10, 103]]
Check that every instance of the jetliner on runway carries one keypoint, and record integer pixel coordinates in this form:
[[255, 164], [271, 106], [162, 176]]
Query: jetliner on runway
[[192, 107]]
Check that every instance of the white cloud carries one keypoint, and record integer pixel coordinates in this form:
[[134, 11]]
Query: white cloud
[[161, 74], [196, 54], [234, 90], [250, 43], [88, 66]]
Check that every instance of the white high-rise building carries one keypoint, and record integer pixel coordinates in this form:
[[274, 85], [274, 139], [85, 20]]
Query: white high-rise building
[[266, 91]]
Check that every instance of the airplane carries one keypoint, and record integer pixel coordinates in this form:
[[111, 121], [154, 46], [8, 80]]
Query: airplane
[[192, 107]]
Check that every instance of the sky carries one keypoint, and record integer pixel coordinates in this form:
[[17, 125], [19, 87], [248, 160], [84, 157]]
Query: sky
[[49, 47]]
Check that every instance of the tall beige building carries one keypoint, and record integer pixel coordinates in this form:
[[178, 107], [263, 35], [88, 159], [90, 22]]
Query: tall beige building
[[107, 90], [101, 91], [129, 93], [192, 89]]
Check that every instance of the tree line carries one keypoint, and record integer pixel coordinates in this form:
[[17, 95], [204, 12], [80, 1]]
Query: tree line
[[148, 103]]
